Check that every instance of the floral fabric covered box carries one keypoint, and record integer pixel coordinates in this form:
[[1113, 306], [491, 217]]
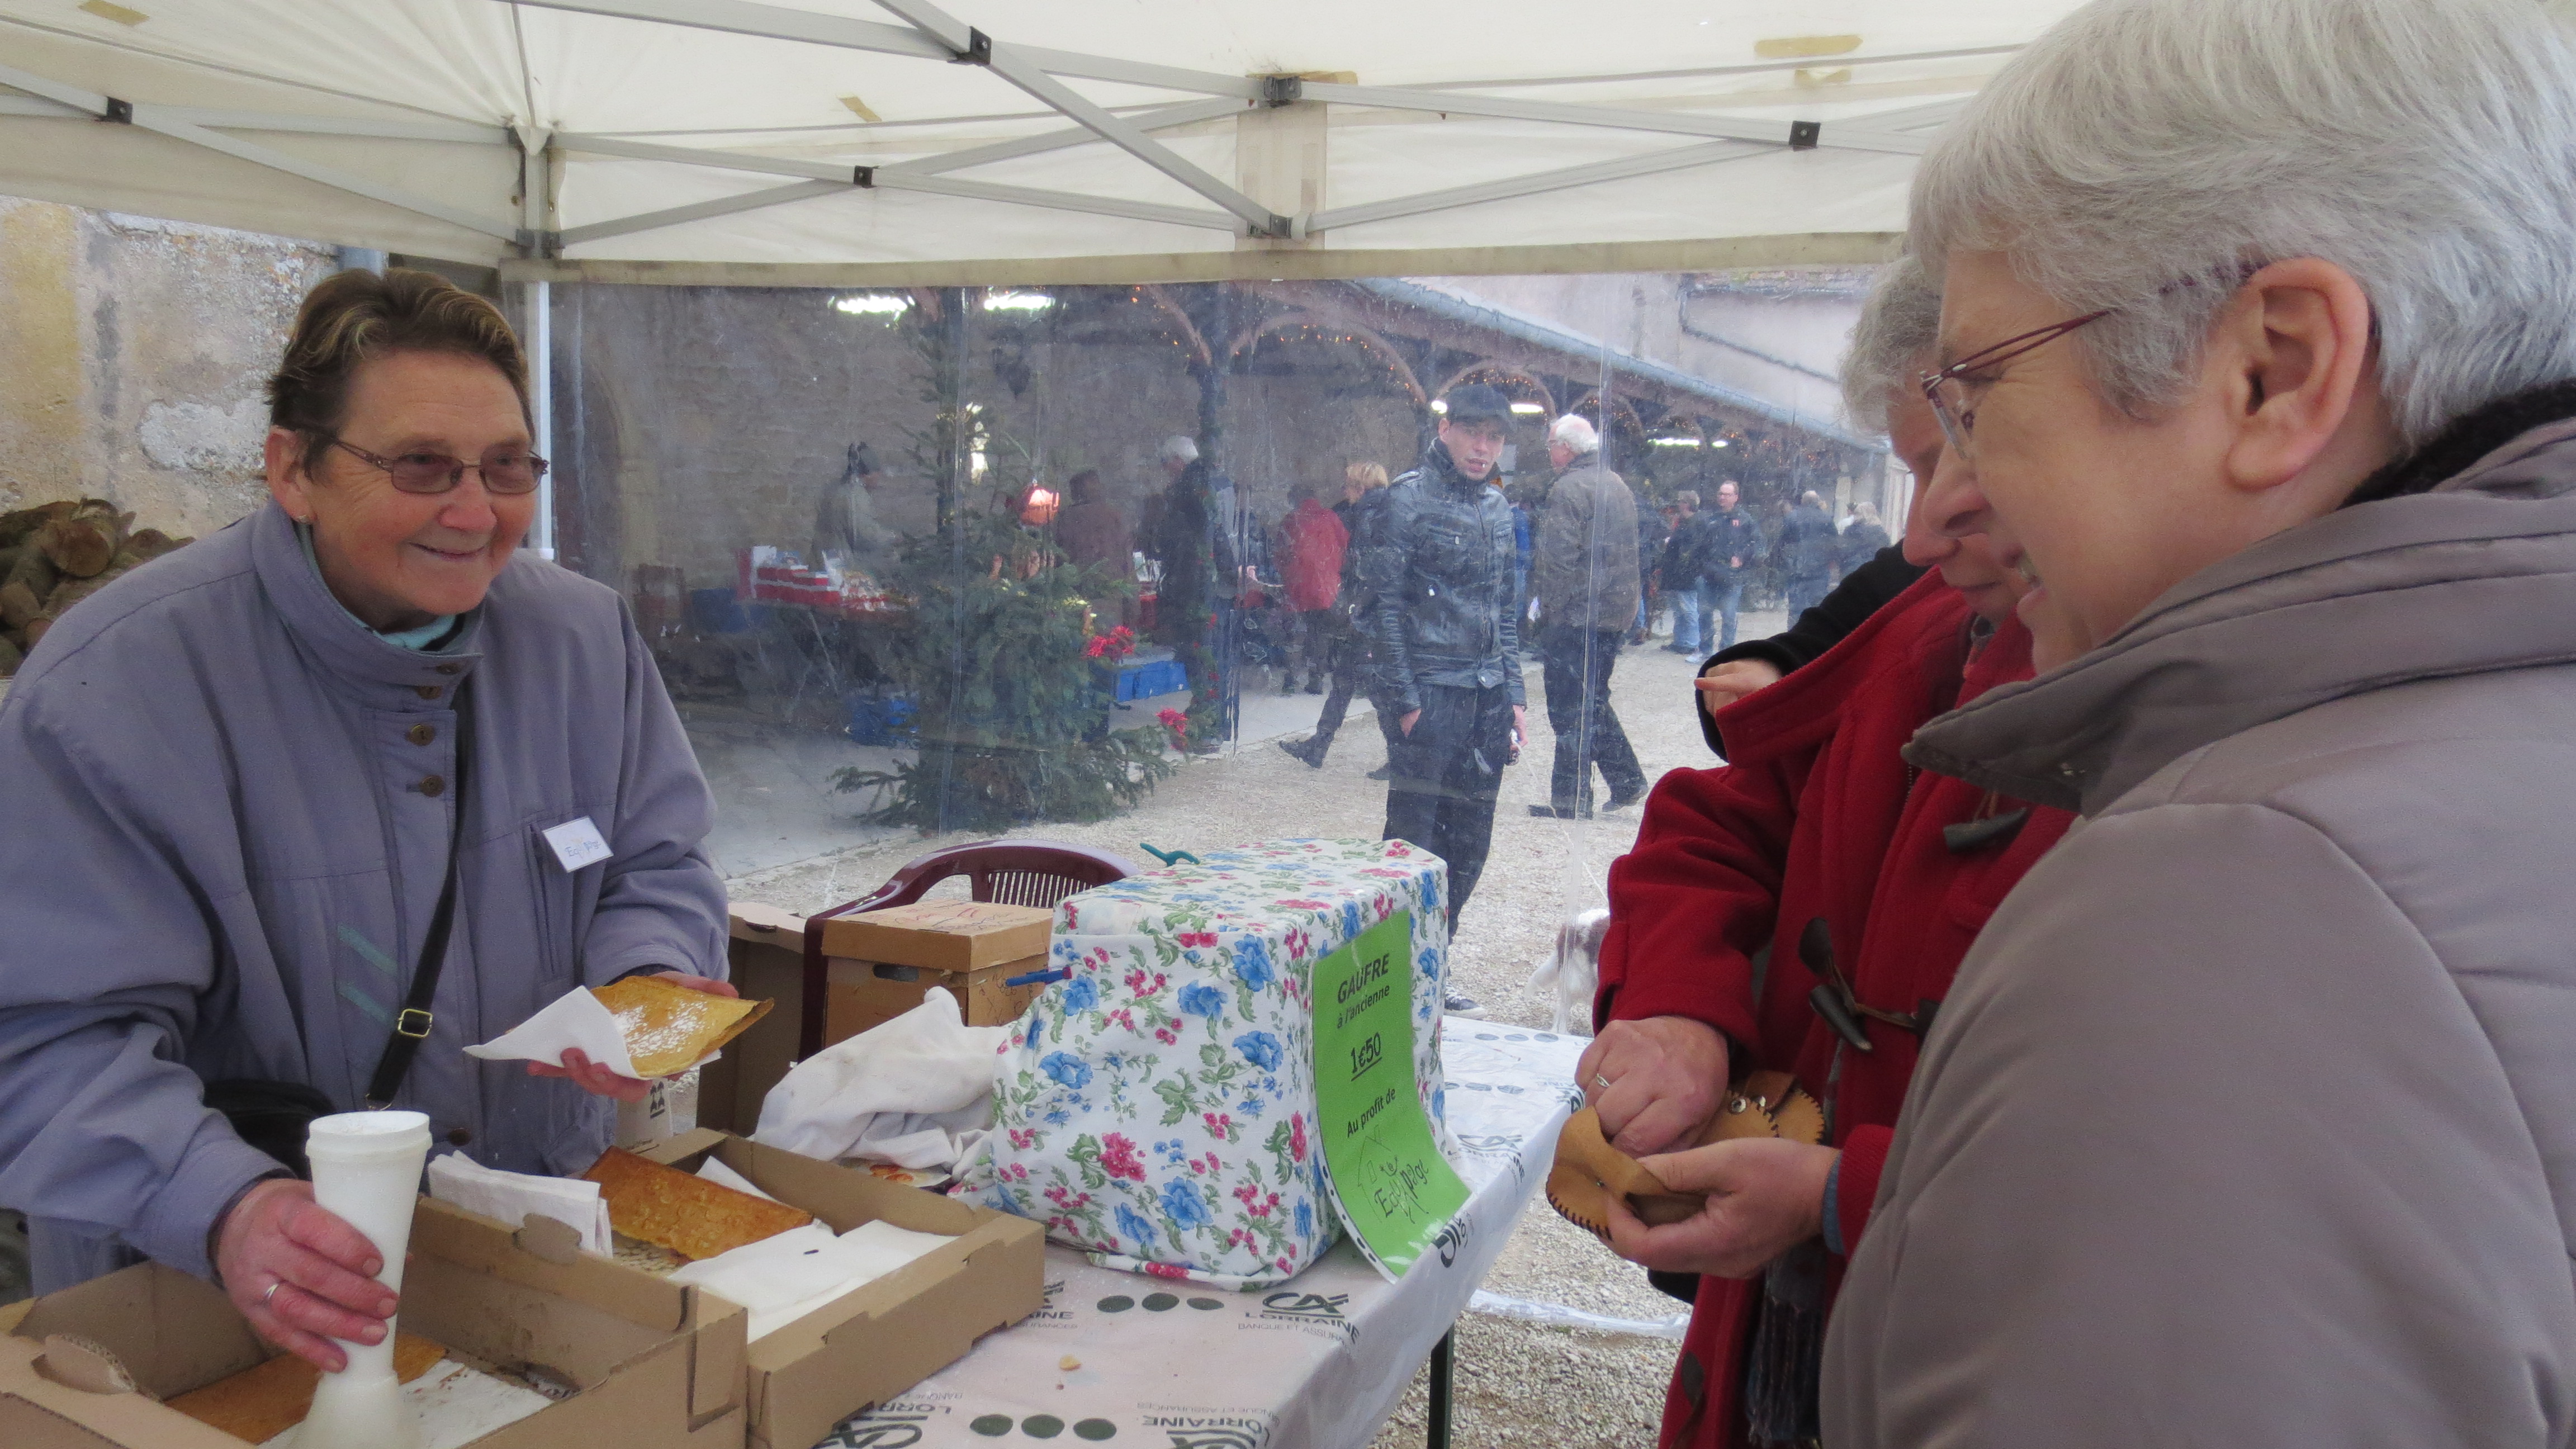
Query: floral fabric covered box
[[1157, 1107]]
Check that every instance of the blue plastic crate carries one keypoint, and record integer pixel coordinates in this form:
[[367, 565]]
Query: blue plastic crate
[[882, 719], [1161, 677]]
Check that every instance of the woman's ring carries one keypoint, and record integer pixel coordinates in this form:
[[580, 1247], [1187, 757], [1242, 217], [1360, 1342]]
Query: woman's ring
[[267, 1300], [1599, 1080]]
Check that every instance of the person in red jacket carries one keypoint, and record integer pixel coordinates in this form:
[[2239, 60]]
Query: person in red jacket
[[1315, 539], [1867, 880]]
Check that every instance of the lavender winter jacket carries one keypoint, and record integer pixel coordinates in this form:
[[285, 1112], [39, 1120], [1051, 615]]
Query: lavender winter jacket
[[2251, 1117], [218, 856]]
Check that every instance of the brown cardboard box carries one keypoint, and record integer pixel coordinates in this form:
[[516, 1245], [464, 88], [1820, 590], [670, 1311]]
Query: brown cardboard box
[[766, 959], [882, 961], [655, 1365], [953, 936], [885, 1337], [861, 994]]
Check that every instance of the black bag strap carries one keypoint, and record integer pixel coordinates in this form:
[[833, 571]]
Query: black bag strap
[[411, 1025]]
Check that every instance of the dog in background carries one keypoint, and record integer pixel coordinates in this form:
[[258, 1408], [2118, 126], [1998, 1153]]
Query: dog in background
[[1572, 972]]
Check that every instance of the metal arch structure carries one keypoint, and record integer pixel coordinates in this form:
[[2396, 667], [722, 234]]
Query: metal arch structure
[[514, 209], [1161, 301], [1508, 378], [1366, 340]]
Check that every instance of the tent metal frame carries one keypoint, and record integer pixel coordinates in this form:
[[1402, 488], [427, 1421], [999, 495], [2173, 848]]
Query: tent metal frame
[[931, 33]]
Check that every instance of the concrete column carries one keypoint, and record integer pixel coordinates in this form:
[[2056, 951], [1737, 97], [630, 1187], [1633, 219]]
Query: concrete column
[[42, 397]]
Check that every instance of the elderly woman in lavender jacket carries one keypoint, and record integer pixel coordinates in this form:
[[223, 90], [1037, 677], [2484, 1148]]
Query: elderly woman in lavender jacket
[[225, 779]]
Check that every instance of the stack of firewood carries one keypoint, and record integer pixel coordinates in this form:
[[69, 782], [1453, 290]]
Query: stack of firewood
[[54, 555]]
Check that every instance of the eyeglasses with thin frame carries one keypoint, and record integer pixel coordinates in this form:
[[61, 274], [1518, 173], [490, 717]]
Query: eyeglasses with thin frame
[[425, 472], [1948, 389]]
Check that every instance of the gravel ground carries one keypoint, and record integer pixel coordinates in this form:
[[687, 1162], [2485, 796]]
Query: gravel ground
[[1518, 1382]]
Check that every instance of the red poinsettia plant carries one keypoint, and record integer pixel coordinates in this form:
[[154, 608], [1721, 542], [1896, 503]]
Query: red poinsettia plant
[[1113, 646], [1178, 723]]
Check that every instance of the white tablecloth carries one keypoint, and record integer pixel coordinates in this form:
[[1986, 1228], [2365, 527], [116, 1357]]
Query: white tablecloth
[[1316, 1364]]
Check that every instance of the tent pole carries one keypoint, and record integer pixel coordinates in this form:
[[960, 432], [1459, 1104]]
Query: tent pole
[[541, 407]]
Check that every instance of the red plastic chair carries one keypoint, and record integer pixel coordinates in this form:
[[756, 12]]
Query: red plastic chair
[[1005, 872]]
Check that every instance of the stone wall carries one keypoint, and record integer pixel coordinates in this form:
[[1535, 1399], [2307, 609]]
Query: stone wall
[[136, 350]]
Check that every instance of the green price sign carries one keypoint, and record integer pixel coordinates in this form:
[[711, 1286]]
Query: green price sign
[[1394, 1190]]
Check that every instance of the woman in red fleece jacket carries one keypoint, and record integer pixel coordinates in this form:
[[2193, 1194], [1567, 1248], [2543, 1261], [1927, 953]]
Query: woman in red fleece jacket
[[1865, 878]]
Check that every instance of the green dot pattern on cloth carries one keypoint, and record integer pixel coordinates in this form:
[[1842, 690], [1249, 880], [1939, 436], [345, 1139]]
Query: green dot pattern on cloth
[[1042, 1426], [1206, 1305], [1095, 1429], [1161, 1303], [1117, 1303], [991, 1426]]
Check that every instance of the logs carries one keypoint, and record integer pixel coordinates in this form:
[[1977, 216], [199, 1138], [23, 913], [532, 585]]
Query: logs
[[84, 542], [54, 555]]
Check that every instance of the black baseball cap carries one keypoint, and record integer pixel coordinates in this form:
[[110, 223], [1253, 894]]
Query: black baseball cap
[[1477, 402]]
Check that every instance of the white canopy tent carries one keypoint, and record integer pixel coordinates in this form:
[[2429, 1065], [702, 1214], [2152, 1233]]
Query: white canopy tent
[[843, 142]]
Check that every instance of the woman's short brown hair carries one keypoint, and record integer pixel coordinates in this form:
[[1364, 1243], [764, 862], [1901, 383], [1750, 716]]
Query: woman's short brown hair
[[356, 315]]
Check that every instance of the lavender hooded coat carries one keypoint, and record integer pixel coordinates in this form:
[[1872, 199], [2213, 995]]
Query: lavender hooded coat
[[219, 854]]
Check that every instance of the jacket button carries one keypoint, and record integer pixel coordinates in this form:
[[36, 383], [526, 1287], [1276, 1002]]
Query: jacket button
[[450, 669], [431, 786], [427, 691], [421, 734], [458, 1137]]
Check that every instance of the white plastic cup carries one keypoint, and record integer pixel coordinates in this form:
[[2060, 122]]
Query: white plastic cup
[[366, 1169]]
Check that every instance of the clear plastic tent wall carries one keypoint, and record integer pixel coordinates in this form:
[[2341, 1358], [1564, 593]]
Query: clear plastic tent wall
[[943, 563]]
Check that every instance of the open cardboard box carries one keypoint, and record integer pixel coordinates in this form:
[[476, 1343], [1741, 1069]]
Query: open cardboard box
[[884, 1337], [654, 1365]]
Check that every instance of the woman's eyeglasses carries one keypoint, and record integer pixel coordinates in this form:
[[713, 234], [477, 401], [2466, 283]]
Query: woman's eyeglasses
[[1948, 389], [503, 473]]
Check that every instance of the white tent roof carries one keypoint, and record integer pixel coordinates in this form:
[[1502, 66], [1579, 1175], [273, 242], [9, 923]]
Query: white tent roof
[[845, 142]]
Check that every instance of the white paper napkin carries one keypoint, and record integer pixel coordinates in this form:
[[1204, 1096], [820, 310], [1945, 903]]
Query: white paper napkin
[[714, 1170], [574, 1019], [514, 1197], [788, 1275]]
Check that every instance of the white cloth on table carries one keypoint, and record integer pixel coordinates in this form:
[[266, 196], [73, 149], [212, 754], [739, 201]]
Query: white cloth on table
[[916, 1091], [514, 1197], [1315, 1363]]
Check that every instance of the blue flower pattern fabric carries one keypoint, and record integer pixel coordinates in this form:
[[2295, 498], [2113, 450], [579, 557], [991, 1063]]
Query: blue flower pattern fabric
[[1157, 1108]]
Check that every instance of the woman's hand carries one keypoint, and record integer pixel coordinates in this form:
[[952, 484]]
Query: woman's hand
[[1654, 1082], [599, 1081], [1765, 1196], [301, 1274], [1732, 681]]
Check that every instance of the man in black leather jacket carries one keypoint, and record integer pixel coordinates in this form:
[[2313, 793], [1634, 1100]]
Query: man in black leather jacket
[[1438, 574]]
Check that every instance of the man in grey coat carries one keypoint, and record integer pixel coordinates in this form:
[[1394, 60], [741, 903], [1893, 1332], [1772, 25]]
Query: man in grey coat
[[2251, 1117], [1585, 580]]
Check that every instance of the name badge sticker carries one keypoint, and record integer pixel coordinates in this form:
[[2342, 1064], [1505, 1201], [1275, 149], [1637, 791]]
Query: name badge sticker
[[577, 843]]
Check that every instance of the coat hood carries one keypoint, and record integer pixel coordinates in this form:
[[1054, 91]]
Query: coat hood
[[2476, 575]]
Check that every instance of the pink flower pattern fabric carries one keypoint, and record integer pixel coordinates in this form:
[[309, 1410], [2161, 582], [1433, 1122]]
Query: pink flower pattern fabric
[[1156, 1108]]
